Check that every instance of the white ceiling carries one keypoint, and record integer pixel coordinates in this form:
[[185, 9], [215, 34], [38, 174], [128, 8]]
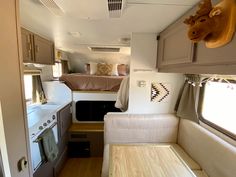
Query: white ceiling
[[91, 19]]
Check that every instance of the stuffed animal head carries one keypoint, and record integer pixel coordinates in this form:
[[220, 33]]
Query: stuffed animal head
[[203, 24]]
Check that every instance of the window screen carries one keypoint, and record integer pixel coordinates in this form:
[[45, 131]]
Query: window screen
[[218, 107]]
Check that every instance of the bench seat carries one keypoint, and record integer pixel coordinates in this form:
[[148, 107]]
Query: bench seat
[[205, 153]]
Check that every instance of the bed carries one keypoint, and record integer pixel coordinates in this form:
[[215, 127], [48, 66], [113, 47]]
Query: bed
[[90, 90], [85, 82]]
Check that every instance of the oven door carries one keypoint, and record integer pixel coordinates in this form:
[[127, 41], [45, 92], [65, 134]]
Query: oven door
[[36, 154], [36, 144]]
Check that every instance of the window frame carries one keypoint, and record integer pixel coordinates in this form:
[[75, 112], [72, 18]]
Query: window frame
[[28, 101], [57, 62], [200, 107]]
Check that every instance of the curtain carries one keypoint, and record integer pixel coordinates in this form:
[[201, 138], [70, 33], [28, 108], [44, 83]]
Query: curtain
[[64, 67], [187, 103], [38, 93]]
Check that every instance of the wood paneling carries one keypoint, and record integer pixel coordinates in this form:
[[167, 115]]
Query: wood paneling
[[27, 46], [87, 127], [82, 167], [44, 50]]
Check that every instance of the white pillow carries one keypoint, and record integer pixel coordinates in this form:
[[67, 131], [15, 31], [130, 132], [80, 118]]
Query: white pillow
[[114, 71], [93, 68]]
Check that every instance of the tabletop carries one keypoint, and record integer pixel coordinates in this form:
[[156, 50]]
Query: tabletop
[[146, 160]]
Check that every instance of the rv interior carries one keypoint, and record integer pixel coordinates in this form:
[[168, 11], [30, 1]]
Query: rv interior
[[118, 88]]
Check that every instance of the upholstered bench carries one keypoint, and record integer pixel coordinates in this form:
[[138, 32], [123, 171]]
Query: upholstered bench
[[200, 149]]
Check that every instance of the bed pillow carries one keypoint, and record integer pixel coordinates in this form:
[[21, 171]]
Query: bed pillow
[[87, 68], [93, 68], [114, 71], [122, 69], [104, 69]]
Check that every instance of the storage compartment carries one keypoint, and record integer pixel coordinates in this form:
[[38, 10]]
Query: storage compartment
[[79, 149], [94, 110]]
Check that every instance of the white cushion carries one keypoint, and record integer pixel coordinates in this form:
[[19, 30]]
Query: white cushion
[[142, 128], [216, 157], [93, 68], [114, 71]]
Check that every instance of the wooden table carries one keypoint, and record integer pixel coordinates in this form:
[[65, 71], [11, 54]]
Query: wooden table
[[146, 160]]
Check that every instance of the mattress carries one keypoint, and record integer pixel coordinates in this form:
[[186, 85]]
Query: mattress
[[84, 82]]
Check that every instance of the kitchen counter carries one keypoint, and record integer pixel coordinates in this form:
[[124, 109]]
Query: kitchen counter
[[38, 112]]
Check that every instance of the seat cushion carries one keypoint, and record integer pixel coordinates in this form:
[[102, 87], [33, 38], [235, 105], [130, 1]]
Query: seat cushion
[[186, 158], [216, 156], [140, 128], [200, 173]]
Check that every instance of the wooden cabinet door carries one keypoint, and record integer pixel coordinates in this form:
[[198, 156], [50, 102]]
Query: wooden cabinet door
[[65, 118], [44, 50], [174, 46], [221, 55], [27, 46]]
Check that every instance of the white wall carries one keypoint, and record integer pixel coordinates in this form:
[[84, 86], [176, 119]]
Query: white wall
[[142, 68]]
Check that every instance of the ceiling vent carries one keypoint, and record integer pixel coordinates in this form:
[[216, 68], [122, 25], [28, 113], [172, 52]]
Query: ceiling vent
[[104, 49], [53, 7], [115, 8]]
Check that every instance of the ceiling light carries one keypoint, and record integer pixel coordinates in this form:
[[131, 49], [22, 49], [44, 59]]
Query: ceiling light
[[124, 40], [75, 34]]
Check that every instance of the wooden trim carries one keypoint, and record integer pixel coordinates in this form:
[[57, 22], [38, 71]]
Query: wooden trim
[[87, 127]]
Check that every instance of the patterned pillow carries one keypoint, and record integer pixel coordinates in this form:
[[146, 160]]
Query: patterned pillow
[[104, 69]]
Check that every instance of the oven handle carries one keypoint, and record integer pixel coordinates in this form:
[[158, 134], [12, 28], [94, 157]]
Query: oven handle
[[37, 140]]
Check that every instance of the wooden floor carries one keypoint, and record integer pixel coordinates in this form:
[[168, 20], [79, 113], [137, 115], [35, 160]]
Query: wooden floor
[[82, 167]]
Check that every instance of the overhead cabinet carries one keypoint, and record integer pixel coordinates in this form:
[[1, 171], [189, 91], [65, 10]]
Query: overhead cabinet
[[27, 45], [176, 53], [174, 46], [36, 49]]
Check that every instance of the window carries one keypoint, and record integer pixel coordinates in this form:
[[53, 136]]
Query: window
[[28, 83], [57, 69], [218, 106]]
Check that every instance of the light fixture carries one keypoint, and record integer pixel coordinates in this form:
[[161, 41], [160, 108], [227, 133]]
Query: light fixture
[[74, 34]]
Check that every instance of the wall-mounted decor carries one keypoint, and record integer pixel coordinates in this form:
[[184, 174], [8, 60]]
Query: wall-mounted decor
[[213, 24], [160, 92]]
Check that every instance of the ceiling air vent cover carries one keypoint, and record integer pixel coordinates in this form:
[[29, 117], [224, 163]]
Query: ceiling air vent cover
[[115, 8], [104, 49], [53, 7]]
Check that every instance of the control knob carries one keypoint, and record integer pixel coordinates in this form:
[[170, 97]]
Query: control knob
[[48, 121], [45, 124], [40, 127], [53, 117]]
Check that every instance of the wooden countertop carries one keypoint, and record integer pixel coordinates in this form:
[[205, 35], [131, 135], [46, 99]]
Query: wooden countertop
[[146, 160], [87, 127]]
